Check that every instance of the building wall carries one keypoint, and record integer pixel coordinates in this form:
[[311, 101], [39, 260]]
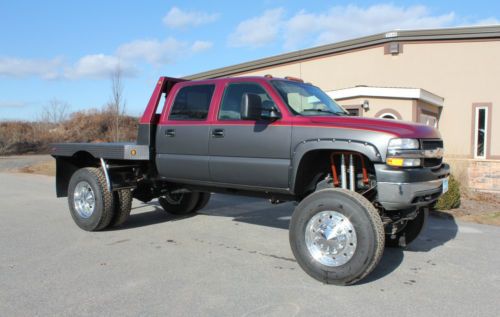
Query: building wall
[[463, 72]]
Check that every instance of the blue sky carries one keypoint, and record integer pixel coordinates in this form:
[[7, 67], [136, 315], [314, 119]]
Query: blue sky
[[67, 49]]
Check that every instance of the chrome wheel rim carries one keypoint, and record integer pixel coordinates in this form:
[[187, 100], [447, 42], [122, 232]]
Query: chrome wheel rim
[[331, 238], [84, 199]]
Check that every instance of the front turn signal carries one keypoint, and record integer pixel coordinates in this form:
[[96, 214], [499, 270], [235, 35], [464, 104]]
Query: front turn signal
[[402, 162]]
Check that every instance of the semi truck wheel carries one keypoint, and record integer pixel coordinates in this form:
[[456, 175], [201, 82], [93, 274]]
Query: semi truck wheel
[[90, 201], [336, 236], [179, 204], [202, 201], [409, 232], [122, 205]]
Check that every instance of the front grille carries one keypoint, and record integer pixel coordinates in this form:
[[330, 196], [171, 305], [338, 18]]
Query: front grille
[[432, 145]]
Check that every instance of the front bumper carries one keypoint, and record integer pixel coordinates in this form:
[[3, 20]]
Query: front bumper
[[405, 188]]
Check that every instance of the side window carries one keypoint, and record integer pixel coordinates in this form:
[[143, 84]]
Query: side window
[[192, 103], [230, 108]]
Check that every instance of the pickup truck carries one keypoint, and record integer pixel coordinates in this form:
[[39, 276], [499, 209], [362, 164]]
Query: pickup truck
[[360, 184]]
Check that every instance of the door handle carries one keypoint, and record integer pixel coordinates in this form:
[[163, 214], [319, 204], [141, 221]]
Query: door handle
[[170, 132], [218, 133]]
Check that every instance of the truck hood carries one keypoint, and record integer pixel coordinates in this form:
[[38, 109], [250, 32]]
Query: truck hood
[[400, 129]]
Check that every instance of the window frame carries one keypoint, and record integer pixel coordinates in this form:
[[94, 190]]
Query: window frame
[[475, 132], [168, 116], [217, 116]]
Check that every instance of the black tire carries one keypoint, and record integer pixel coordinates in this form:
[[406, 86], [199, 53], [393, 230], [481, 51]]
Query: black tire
[[123, 206], [179, 204], [103, 209], [368, 228], [410, 232], [202, 201]]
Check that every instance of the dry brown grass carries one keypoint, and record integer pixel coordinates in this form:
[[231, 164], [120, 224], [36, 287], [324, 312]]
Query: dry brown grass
[[18, 137]]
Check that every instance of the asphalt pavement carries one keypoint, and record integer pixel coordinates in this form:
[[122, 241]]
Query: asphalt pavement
[[232, 259]]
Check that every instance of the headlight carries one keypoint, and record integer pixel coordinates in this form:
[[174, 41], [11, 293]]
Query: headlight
[[403, 144]]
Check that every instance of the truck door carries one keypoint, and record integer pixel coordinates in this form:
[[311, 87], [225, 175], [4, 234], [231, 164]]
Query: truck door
[[182, 137], [244, 152]]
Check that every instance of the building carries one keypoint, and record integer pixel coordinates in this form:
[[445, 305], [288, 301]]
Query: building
[[448, 78]]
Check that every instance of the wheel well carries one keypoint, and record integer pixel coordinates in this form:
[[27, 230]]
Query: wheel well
[[314, 166], [67, 166]]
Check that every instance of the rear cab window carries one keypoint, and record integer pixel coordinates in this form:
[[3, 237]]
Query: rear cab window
[[192, 103]]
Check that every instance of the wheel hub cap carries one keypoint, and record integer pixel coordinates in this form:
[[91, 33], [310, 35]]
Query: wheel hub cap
[[330, 238], [84, 199]]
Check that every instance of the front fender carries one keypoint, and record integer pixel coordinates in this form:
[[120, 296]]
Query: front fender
[[367, 149]]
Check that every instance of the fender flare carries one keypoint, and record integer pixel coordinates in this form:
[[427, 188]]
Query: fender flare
[[303, 148]]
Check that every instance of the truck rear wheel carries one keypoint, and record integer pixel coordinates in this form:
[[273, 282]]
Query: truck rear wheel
[[122, 207], [202, 201], [336, 236], [90, 201], [179, 204], [409, 232]]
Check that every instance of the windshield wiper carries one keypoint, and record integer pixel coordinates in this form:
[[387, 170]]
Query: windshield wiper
[[324, 111]]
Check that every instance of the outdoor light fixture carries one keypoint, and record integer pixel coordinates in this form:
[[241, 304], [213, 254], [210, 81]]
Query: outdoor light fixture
[[366, 105]]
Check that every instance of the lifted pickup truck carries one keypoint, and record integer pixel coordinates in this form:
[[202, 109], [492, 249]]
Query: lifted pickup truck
[[361, 184]]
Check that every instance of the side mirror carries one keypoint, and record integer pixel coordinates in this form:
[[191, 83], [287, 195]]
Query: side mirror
[[269, 111], [251, 107]]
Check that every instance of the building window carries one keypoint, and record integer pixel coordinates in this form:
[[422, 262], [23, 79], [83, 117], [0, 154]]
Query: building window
[[388, 113], [388, 116], [428, 120], [481, 131]]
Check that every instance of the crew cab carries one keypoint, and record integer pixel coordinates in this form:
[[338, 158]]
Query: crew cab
[[361, 184]]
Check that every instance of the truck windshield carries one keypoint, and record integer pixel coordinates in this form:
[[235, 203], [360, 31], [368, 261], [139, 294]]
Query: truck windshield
[[307, 100]]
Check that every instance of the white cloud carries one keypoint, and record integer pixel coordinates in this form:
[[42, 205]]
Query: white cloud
[[98, 66], [487, 21], [177, 18], [21, 67], [258, 31], [345, 22], [12, 104], [305, 29], [153, 51], [201, 46]]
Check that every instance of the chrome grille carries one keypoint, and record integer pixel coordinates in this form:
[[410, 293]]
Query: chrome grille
[[432, 144]]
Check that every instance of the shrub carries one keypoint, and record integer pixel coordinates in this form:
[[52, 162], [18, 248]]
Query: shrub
[[451, 199]]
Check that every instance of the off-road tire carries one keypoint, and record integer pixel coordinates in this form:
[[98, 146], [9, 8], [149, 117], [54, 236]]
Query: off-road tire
[[103, 206], [202, 201], [123, 206], [366, 222], [411, 231], [186, 204]]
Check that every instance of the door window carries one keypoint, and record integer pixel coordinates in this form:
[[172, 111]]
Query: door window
[[192, 103], [230, 108]]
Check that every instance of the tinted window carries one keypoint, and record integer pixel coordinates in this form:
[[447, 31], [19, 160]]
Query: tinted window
[[192, 102], [230, 108]]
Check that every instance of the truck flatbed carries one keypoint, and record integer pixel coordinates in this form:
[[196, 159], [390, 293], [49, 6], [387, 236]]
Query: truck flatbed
[[109, 151]]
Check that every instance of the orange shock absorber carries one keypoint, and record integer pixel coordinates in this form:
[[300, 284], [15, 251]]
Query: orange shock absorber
[[334, 171], [336, 182]]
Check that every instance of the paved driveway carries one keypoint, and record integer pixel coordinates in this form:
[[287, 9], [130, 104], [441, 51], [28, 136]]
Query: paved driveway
[[233, 259]]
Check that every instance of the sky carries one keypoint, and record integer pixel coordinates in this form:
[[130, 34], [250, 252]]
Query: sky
[[66, 50]]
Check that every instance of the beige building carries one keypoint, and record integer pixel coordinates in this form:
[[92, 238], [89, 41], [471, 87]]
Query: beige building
[[448, 78]]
